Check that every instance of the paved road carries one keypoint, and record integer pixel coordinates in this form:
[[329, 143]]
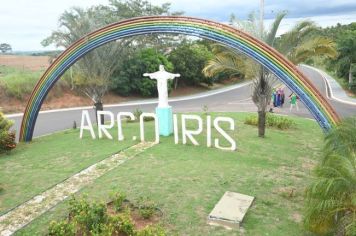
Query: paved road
[[343, 109], [234, 98]]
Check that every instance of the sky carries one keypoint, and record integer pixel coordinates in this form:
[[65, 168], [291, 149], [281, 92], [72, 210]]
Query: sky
[[25, 23]]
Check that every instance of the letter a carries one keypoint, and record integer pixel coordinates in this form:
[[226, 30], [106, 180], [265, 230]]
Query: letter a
[[86, 117]]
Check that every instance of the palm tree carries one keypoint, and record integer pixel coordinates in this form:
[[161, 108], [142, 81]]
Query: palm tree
[[297, 44], [331, 205]]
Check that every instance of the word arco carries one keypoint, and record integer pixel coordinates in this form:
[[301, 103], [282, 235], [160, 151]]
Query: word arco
[[186, 134]]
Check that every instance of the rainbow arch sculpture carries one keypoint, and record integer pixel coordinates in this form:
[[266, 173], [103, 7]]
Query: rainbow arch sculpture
[[221, 33]]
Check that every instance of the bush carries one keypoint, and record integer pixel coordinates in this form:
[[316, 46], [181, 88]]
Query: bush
[[146, 208], [128, 79], [88, 216], [7, 137], [118, 199], [61, 228], [280, 122], [189, 59], [94, 219]]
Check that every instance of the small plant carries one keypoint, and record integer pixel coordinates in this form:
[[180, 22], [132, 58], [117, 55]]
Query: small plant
[[118, 200], [205, 109], [146, 208], [152, 230], [279, 122], [61, 228], [137, 113]]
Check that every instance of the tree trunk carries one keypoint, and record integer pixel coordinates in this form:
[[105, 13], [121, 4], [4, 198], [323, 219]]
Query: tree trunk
[[261, 123], [176, 83], [99, 107], [350, 75]]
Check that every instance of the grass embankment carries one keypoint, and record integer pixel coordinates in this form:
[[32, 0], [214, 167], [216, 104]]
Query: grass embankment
[[186, 181], [17, 83]]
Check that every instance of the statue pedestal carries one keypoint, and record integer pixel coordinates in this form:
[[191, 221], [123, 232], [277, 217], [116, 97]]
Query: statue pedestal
[[165, 120]]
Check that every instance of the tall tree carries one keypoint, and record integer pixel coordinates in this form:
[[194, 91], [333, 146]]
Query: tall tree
[[5, 48], [347, 54], [94, 70], [189, 59]]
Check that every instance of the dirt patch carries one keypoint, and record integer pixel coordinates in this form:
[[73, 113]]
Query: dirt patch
[[297, 217], [66, 98]]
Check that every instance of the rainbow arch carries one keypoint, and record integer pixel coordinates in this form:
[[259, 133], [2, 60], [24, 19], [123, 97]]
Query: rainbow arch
[[221, 33]]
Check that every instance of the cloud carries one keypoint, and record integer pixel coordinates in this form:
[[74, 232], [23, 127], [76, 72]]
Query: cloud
[[24, 24]]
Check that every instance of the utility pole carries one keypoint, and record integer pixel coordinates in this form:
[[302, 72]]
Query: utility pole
[[262, 6]]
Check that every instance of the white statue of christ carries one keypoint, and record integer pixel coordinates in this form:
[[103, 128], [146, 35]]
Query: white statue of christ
[[162, 76]]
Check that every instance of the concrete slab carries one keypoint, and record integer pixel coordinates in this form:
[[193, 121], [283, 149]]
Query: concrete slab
[[230, 210]]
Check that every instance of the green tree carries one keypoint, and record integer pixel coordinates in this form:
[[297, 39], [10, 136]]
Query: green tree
[[189, 59], [331, 198], [297, 45], [303, 43], [5, 48], [130, 79], [346, 61], [92, 73]]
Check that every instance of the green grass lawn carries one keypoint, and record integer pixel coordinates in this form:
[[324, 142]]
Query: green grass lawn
[[185, 181]]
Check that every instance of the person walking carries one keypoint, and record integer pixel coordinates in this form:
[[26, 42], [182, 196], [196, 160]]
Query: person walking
[[293, 102], [282, 97]]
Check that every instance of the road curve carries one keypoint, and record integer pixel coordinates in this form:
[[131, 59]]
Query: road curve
[[233, 98]]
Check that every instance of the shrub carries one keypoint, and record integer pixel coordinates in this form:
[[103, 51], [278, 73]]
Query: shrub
[[88, 216], [122, 223], [279, 122], [151, 230], [7, 141], [146, 208], [7, 137], [61, 228], [118, 199]]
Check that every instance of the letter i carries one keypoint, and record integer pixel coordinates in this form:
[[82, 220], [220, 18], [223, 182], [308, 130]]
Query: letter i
[[175, 129], [208, 131]]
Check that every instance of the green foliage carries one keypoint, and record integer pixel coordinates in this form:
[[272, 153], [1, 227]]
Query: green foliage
[[276, 121], [189, 59], [118, 199], [7, 137], [345, 39], [18, 83], [146, 207], [130, 79], [331, 206], [88, 216], [118, 225], [151, 230], [93, 219], [61, 228]]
